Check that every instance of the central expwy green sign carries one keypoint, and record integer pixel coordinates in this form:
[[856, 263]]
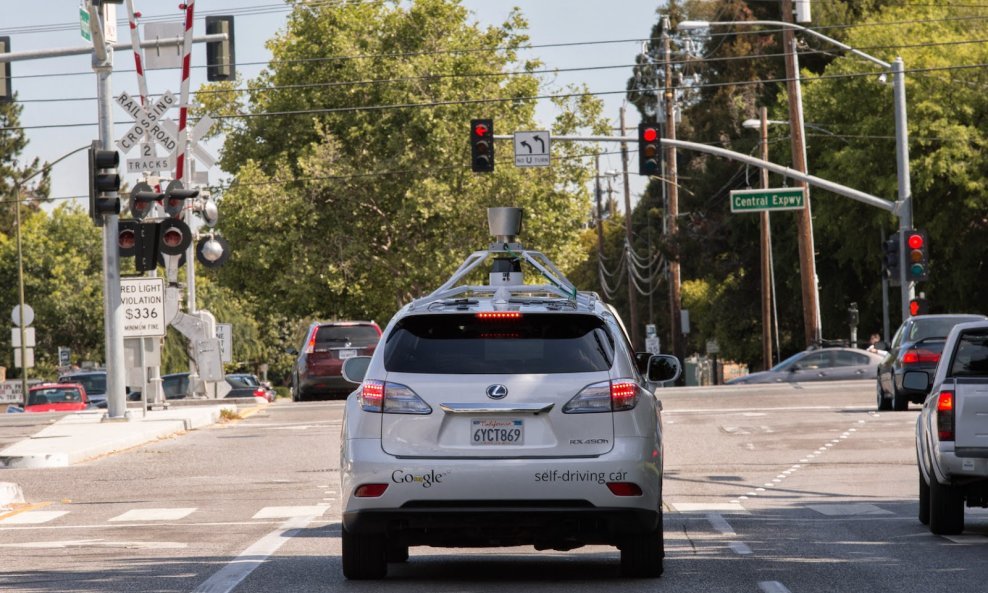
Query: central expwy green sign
[[758, 200]]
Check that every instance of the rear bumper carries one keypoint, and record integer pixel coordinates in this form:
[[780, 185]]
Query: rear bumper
[[326, 384], [488, 523]]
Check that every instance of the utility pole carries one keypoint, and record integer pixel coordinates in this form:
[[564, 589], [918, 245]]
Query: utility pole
[[600, 211], [636, 341], [672, 191], [766, 254], [804, 220]]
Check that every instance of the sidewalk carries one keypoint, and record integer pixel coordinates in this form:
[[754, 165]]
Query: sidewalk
[[85, 435]]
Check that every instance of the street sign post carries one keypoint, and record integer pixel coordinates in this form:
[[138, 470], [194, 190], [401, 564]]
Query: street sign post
[[532, 149], [143, 303], [762, 200], [224, 333]]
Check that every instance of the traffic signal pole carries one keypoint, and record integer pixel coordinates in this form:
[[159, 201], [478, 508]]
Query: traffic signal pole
[[116, 407]]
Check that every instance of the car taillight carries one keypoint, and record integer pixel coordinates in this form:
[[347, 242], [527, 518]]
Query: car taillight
[[311, 346], [920, 356], [259, 392], [606, 396], [370, 490], [391, 398], [624, 488], [945, 415]]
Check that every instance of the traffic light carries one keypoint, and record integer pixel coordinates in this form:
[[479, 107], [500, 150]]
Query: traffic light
[[104, 183], [919, 306], [482, 145], [6, 91], [220, 56], [917, 256], [890, 258], [649, 149]]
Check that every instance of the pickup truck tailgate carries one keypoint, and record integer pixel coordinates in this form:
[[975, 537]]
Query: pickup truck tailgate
[[971, 413]]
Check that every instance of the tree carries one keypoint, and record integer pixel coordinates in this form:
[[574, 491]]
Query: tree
[[353, 191]]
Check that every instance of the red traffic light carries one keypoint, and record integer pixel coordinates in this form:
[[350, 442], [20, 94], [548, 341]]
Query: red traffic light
[[915, 241], [649, 134], [919, 306], [481, 130]]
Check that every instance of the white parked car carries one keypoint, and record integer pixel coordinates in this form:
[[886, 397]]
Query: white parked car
[[952, 430], [503, 414]]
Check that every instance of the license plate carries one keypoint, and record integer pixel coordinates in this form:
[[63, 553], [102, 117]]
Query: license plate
[[491, 431], [348, 353]]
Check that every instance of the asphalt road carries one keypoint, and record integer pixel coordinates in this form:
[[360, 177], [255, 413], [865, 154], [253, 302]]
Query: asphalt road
[[766, 490]]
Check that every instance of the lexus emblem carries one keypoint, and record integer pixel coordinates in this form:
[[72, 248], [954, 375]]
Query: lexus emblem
[[497, 391]]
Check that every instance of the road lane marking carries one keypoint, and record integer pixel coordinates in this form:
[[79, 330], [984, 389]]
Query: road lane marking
[[706, 507], [773, 587], [719, 523], [32, 517], [99, 543], [848, 509], [291, 512], [154, 514], [739, 548], [228, 577]]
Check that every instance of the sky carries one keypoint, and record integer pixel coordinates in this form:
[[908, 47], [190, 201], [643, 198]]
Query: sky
[[56, 91]]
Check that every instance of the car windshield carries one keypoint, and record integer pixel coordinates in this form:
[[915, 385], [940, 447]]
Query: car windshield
[[935, 327], [338, 336], [53, 395], [466, 344], [94, 384], [787, 362]]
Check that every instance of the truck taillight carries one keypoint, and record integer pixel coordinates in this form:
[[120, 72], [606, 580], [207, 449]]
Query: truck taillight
[[920, 356], [945, 415]]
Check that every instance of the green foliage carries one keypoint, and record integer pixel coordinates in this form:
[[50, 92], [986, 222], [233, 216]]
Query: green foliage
[[366, 200]]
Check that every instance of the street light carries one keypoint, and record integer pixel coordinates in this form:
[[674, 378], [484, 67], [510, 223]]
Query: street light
[[897, 67]]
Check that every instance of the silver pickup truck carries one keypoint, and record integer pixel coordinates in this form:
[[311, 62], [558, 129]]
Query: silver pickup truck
[[952, 430]]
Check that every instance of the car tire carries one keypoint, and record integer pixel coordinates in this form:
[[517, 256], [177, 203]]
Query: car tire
[[924, 500], [296, 391], [364, 555], [884, 404], [900, 402], [642, 554], [946, 509]]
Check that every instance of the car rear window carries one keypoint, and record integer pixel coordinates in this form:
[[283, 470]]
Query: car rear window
[[93, 384], [339, 336], [465, 344], [935, 327], [54, 395], [971, 358]]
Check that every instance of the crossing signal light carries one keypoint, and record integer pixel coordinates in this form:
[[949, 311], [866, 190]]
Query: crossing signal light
[[175, 196], [917, 256], [104, 183], [142, 200], [139, 240], [220, 55], [649, 149], [482, 145], [919, 306]]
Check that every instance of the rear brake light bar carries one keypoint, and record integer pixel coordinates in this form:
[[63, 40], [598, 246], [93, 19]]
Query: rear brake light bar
[[499, 315]]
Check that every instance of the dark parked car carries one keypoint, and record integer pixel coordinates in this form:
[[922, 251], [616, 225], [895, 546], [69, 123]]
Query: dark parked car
[[821, 364], [93, 381], [247, 385], [916, 346], [318, 370], [176, 386]]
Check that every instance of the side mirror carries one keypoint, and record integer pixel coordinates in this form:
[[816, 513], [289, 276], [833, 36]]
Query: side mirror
[[355, 368], [916, 380], [663, 367], [793, 368], [641, 361]]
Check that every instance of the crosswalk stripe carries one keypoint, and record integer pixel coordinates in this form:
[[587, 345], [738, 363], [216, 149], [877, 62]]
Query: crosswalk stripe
[[290, 512], [32, 517], [155, 514]]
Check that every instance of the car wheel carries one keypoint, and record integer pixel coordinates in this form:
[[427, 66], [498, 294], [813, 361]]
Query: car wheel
[[397, 552], [900, 402], [924, 500], [641, 554], [946, 509], [296, 390], [884, 403], [364, 555]]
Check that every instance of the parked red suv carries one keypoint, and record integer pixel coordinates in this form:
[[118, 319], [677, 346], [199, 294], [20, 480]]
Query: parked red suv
[[318, 370]]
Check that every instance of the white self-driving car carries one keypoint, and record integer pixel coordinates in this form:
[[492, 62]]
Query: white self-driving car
[[503, 414]]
